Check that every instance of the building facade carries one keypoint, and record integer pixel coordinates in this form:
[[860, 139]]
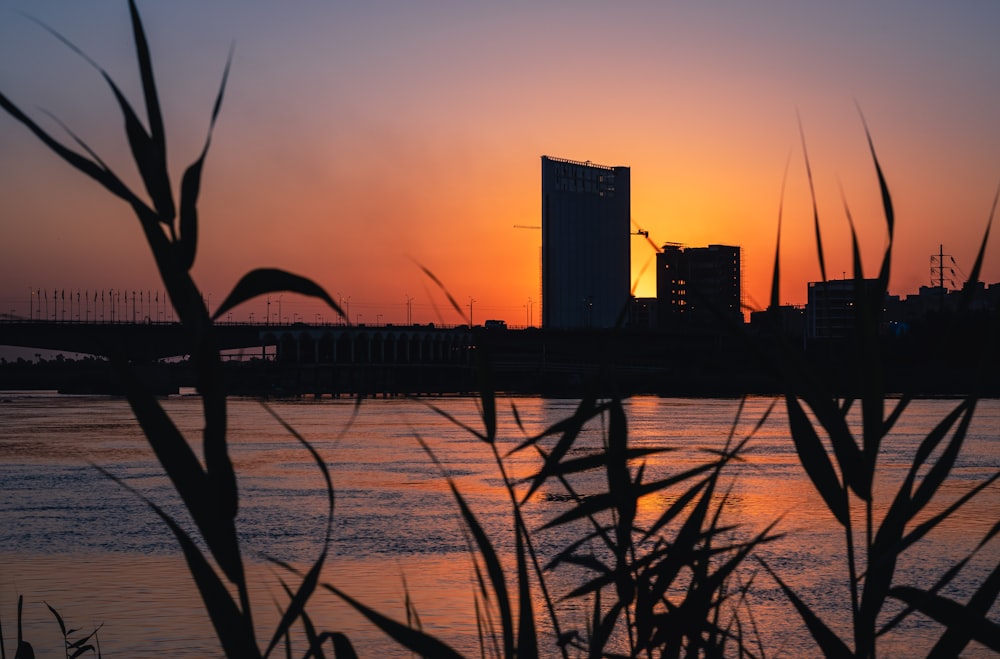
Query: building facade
[[831, 311], [698, 287], [586, 258]]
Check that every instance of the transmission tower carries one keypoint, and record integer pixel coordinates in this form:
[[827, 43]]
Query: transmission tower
[[942, 269]]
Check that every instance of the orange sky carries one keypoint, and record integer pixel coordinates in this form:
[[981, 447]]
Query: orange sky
[[357, 143]]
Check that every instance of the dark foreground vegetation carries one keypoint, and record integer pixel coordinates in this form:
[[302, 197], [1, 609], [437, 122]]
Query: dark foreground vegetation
[[675, 587]]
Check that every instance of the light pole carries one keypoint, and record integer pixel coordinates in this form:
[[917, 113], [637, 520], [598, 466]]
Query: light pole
[[378, 320], [409, 309], [470, 311]]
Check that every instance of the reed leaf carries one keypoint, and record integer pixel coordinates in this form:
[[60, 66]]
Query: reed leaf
[[573, 424], [527, 635], [605, 501], [897, 411], [148, 151], [962, 623], [815, 209], [815, 461], [930, 484], [444, 289], [420, 642], [486, 400], [272, 280], [191, 184], [596, 460], [190, 481], [451, 418], [157, 136], [829, 643], [296, 607], [926, 527], [231, 625], [776, 274], [968, 291], [484, 546], [99, 173], [887, 208]]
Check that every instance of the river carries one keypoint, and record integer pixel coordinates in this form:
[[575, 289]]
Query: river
[[71, 538]]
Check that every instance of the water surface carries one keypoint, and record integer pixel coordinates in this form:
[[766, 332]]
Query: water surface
[[74, 539]]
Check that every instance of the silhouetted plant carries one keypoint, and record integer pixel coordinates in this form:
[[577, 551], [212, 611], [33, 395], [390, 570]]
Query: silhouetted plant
[[844, 473], [209, 493], [669, 589]]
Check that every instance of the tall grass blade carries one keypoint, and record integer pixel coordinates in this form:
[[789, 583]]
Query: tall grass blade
[[236, 637], [437, 282], [605, 501], [527, 636], [812, 196], [99, 173], [829, 643], [887, 208], [962, 623], [486, 400], [296, 607], [968, 291], [776, 274], [949, 575], [157, 134], [494, 570], [62, 625], [815, 461], [923, 529], [272, 280], [570, 429], [192, 483], [191, 184], [420, 642]]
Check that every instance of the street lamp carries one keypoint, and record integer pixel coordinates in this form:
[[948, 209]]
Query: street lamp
[[470, 311]]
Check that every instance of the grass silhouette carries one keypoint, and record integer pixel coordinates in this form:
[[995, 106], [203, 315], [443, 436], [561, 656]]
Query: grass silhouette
[[669, 588]]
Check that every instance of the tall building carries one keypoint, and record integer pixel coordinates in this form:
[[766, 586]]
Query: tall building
[[698, 287], [586, 262]]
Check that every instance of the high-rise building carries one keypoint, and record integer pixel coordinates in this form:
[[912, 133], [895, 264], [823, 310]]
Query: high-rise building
[[698, 287], [586, 262]]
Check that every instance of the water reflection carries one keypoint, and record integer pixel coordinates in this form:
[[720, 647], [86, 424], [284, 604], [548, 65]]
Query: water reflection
[[76, 540]]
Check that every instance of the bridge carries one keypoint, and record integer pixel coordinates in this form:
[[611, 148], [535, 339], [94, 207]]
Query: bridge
[[296, 343]]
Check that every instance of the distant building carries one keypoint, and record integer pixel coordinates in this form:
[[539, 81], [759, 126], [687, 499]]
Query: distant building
[[831, 307], [586, 262], [785, 320], [698, 287], [642, 313]]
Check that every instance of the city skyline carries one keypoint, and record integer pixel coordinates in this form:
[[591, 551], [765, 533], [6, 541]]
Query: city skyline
[[356, 145]]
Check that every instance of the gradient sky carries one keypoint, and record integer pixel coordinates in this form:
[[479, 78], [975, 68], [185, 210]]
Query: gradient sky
[[359, 141]]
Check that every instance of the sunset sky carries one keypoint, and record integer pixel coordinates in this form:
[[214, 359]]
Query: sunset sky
[[359, 141]]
